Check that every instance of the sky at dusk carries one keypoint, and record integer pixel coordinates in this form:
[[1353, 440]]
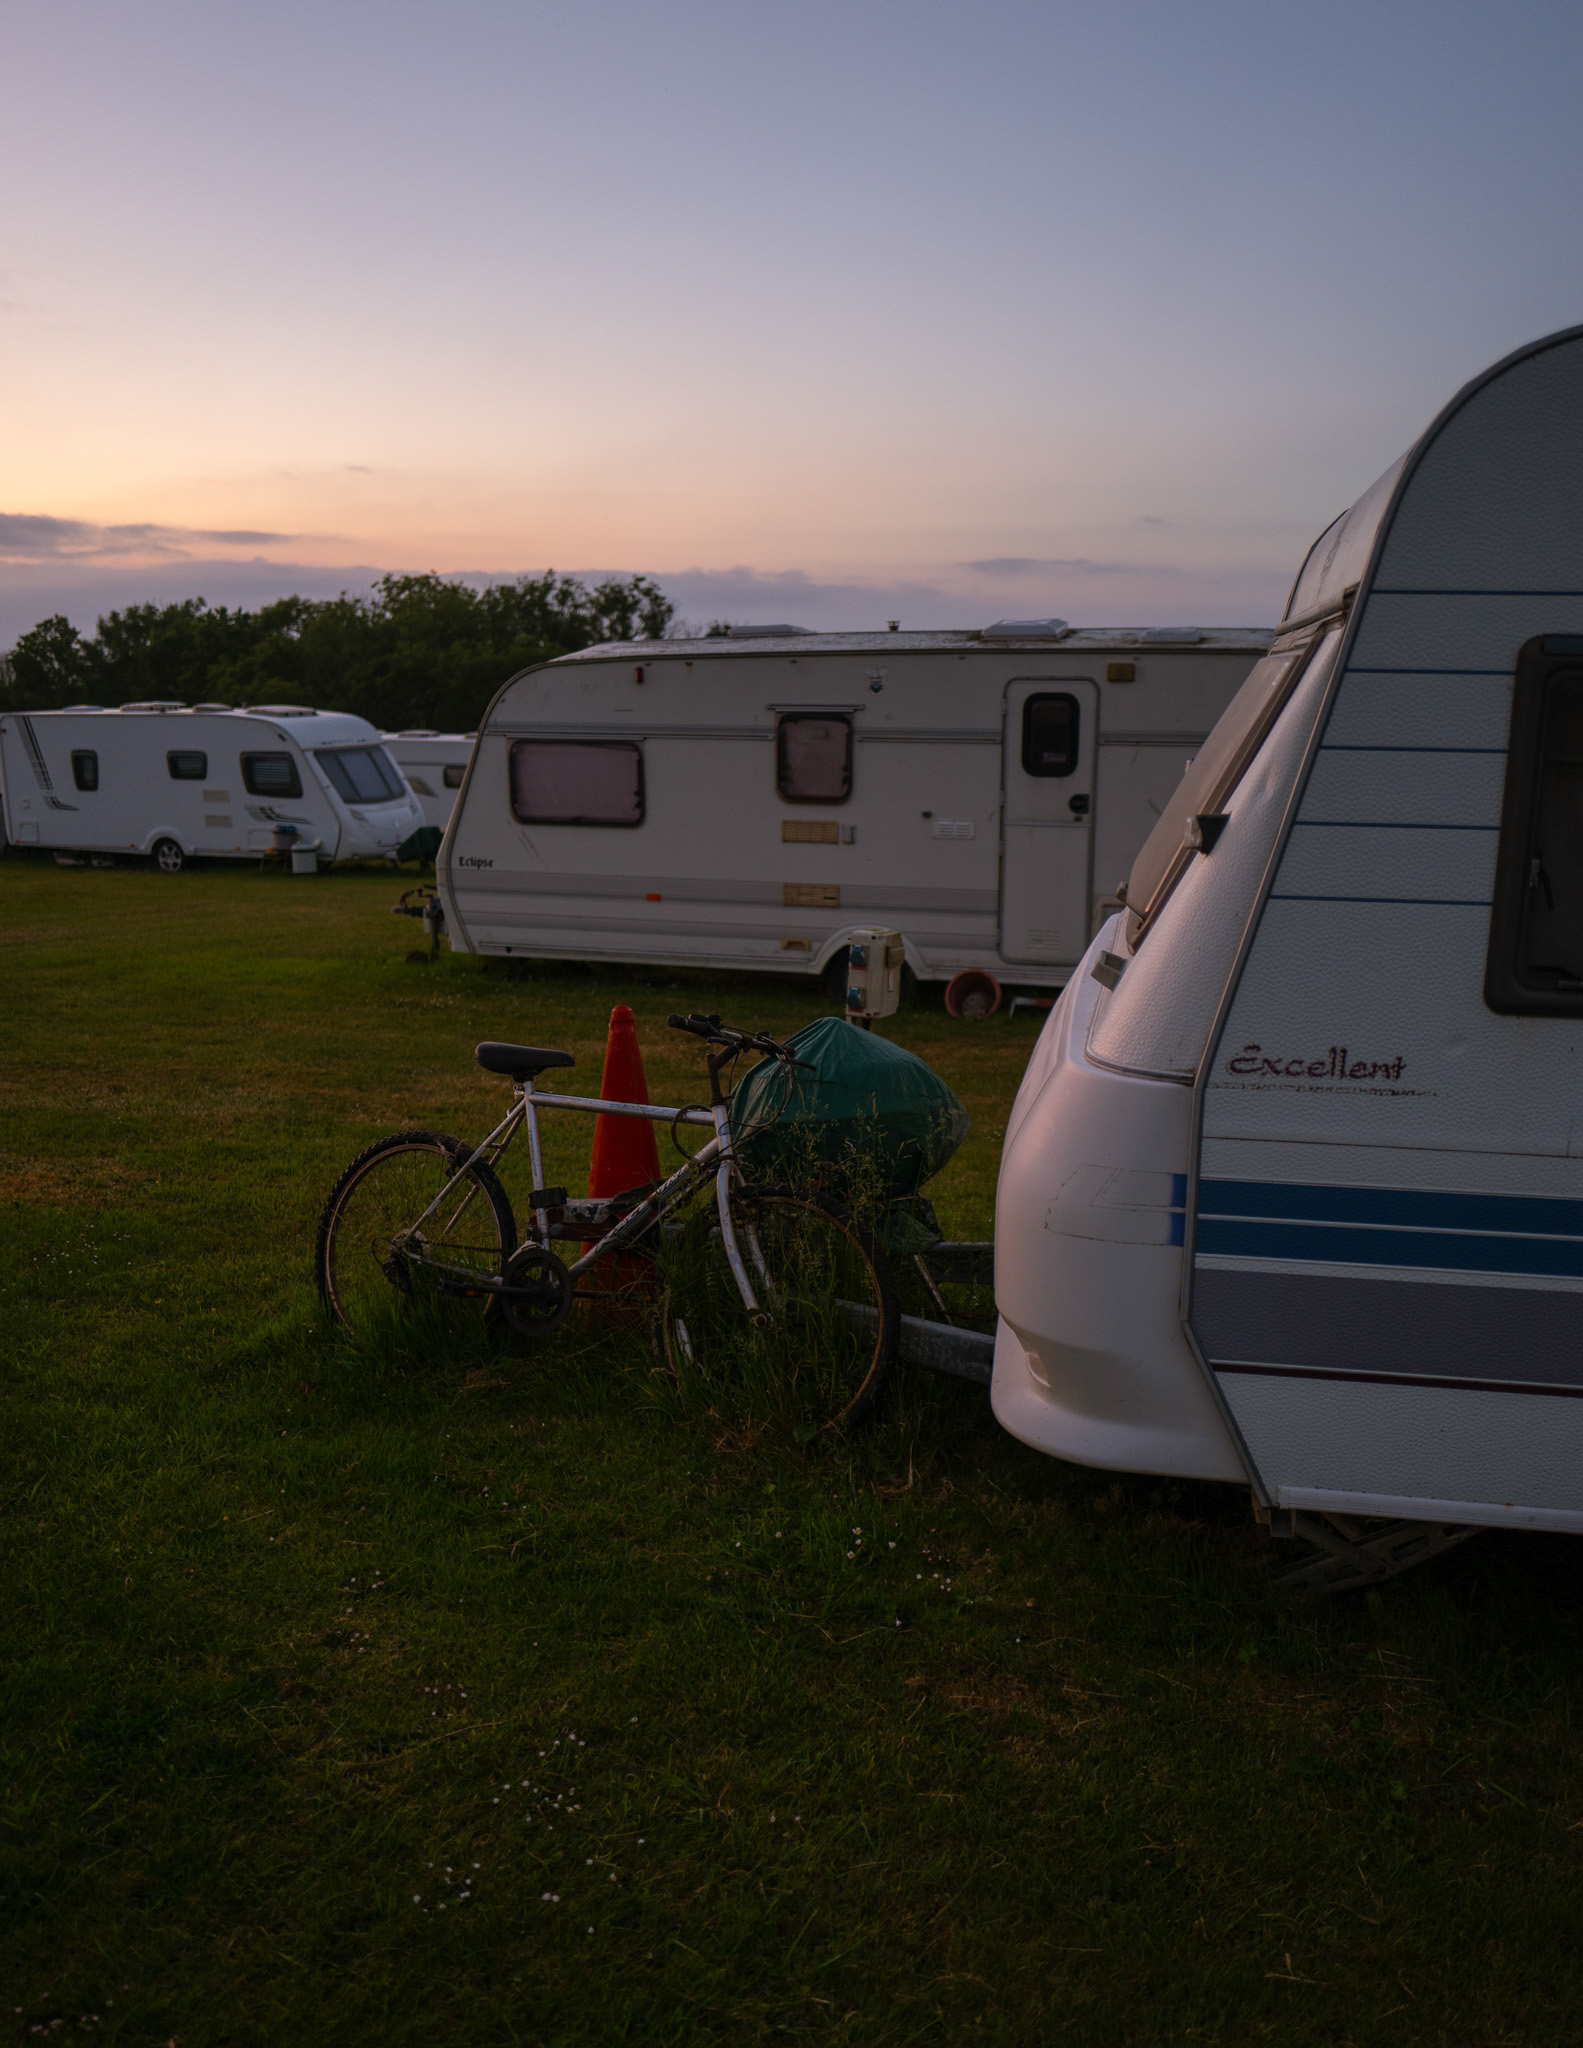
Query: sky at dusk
[[818, 312]]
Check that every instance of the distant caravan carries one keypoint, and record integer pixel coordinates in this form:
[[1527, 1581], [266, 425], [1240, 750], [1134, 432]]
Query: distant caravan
[[751, 801], [173, 782], [1292, 1192], [434, 765]]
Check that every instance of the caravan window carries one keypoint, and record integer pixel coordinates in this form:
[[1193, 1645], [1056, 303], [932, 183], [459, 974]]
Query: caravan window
[[1535, 964], [1049, 734], [1212, 775], [270, 775], [187, 767], [85, 770], [577, 782], [813, 757], [453, 777], [360, 775]]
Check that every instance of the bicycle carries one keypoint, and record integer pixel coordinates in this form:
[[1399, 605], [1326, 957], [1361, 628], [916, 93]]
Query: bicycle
[[776, 1281]]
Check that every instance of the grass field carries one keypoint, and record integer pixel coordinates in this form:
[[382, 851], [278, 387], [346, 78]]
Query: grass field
[[505, 1697]]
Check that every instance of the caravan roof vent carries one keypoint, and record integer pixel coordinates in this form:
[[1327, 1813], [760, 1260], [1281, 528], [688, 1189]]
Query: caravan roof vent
[[771, 632], [156, 704], [82, 707], [281, 710], [1027, 629], [1176, 636], [414, 732], [211, 707]]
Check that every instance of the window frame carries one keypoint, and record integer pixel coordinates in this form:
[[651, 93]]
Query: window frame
[[1028, 706], [273, 754], [85, 759], [453, 774], [1542, 663], [187, 754], [810, 716], [634, 747]]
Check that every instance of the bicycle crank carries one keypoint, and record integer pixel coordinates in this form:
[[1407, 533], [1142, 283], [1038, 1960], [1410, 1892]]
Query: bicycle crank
[[535, 1291]]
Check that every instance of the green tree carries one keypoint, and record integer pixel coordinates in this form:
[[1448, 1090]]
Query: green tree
[[418, 650]]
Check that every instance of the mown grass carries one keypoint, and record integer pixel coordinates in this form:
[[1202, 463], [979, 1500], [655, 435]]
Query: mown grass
[[915, 1738]]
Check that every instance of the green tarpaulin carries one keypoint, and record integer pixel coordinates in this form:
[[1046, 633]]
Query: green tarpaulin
[[873, 1119]]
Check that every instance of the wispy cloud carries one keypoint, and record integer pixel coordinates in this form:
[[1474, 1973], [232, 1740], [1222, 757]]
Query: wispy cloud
[[1071, 565], [36, 537]]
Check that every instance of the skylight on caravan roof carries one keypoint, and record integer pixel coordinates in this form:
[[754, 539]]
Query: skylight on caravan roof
[[280, 710], [1027, 629], [156, 704], [771, 632]]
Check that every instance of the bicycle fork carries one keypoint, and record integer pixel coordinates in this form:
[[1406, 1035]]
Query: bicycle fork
[[757, 1315]]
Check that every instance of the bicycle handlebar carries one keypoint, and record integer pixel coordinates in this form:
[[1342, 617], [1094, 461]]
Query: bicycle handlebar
[[711, 1029]]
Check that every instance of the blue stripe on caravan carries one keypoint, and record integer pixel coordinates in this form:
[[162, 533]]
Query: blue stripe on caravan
[[1358, 1245], [1411, 1208]]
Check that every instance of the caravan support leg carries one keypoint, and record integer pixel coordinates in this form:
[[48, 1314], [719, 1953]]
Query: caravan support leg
[[1357, 1553]]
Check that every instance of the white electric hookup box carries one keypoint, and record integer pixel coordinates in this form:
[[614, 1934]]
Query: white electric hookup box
[[873, 981]]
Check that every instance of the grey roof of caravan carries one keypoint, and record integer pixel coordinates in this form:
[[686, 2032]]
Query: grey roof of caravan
[[1211, 639]]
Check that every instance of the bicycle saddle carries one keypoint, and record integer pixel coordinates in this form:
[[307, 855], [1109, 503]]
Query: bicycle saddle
[[521, 1062]]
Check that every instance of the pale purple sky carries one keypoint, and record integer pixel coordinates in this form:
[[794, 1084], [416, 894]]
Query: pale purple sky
[[833, 313]]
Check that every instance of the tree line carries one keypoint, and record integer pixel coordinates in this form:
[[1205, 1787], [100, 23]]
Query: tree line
[[417, 651]]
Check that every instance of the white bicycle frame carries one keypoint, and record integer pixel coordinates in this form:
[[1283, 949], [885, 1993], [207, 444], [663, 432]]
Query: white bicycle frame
[[717, 1153]]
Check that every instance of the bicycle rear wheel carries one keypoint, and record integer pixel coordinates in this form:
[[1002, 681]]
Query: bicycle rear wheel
[[374, 1258], [830, 1340]]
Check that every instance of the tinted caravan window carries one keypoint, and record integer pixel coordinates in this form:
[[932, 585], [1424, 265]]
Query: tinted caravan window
[[360, 775], [187, 767], [1535, 964], [813, 757], [577, 782], [271, 775], [453, 777], [1217, 768], [1049, 734], [85, 770]]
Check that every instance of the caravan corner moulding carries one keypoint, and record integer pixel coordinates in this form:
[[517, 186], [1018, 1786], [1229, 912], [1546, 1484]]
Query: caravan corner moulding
[[1292, 1192], [754, 801], [173, 783]]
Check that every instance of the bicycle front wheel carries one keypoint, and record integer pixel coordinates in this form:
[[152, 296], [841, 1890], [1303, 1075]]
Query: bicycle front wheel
[[379, 1252], [829, 1339]]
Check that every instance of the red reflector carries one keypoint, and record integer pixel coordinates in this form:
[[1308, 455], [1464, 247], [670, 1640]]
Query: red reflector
[[654, 896]]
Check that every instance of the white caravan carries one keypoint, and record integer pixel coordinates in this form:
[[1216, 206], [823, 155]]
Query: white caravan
[[749, 802], [171, 782], [434, 764], [1292, 1193]]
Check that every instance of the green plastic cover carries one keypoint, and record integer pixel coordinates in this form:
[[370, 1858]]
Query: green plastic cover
[[873, 1119]]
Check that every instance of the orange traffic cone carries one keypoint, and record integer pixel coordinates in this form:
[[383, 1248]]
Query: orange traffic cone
[[625, 1153]]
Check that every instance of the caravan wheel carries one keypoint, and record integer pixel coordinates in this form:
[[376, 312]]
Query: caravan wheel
[[168, 857]]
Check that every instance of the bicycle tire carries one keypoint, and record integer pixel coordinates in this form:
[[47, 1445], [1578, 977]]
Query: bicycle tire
[[835, 1326], [358, 1265]]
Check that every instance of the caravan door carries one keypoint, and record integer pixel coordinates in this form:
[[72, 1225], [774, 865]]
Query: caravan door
[[1047, 820]]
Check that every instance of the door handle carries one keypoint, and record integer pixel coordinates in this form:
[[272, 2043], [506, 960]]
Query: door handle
[[1078, 806]]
